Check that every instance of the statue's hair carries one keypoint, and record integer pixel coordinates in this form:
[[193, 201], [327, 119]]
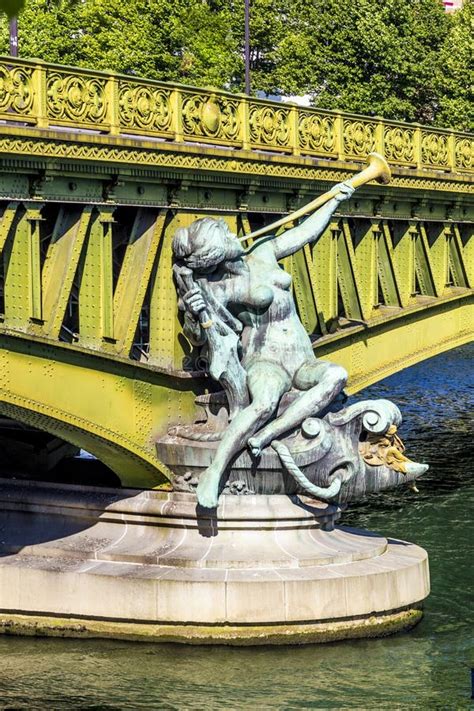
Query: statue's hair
[[199, 245]]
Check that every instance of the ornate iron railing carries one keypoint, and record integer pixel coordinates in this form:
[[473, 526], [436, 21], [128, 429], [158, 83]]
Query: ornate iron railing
[[48, 95]]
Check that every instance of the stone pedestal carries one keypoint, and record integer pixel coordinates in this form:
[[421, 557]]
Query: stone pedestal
[[83, 561]]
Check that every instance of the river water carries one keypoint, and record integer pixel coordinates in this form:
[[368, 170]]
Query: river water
[[427, 668]]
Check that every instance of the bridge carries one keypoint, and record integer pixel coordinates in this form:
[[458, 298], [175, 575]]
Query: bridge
[[97, 170]]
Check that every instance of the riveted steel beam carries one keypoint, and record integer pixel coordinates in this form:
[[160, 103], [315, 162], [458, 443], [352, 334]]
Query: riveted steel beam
[[135, 275], [61, 262]]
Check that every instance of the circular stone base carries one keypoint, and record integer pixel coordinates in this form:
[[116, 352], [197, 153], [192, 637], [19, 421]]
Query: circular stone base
[[240, 636], [84, 561]]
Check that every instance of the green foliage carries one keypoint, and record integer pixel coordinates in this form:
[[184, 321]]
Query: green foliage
[[366, 56], [455, 83], [172, 40], [403, 59], [11, 7]]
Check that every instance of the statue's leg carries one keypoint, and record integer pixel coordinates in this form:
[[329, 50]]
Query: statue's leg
[[320, 382], [267, 382]]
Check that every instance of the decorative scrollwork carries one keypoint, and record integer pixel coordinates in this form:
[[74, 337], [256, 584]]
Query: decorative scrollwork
[[434, 148], [144, 157], [211, 116], [399, 144], [359, 138], [464, 153], [76, 98], [376, 415], [269, 126], [317, 132], [145, 107], [16, 90]]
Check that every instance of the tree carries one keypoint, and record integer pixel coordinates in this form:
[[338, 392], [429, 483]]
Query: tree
[[208, 45], [402, 59], [47, 30], [455, 82], [367, 56], [11, 7], [172, 40]]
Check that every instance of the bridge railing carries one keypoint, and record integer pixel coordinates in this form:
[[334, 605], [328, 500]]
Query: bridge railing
[[48, 95]]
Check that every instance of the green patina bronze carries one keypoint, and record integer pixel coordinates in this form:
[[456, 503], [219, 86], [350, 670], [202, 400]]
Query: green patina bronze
[[227, 293]]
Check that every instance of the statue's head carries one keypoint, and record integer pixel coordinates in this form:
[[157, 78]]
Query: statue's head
[[205, 244]]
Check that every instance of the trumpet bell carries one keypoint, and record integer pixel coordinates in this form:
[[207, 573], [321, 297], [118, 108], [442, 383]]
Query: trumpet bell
[[377, 169], [383, 169]]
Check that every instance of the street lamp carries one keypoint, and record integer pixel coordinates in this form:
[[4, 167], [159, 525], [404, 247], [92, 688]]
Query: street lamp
[[14, 37], [247, 46]]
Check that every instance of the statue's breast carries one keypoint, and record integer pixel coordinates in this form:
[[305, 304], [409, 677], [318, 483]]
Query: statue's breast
[[281, 279], [260, 297], [262, 291], [266, 279]]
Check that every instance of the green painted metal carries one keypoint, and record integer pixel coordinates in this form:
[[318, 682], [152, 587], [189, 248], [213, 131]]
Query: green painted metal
[[138, 259], [423, 268], [61, 264], [385, 266], [19, 277], [95, 290], [465, 239], [456, 261], [346, 274]]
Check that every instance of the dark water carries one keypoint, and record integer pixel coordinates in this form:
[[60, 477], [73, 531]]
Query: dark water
[[428, 668]]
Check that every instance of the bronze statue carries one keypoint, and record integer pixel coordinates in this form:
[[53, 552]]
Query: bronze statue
[[255, 299], [238, 305]]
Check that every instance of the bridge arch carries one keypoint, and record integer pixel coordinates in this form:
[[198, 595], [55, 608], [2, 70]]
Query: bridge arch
[[110, 409]]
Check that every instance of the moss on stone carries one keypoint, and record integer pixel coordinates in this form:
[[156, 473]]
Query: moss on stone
[[241, 635]]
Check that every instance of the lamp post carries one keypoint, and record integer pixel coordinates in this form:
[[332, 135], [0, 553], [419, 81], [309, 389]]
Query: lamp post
[[14, 37], [247, 46]]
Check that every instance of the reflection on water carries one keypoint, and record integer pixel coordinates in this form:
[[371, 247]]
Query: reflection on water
[[426, 668]]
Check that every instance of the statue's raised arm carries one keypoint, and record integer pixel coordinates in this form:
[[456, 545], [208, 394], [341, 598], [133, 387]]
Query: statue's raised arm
[[312, 227], [377, 169]]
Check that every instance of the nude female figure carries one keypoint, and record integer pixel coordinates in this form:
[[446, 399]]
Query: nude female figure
[[276, 352]]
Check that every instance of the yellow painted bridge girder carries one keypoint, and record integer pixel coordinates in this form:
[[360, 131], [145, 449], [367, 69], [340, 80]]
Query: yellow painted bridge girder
[[392, 343], [112, 409]]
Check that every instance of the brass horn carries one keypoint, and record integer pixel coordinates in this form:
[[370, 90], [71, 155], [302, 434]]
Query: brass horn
[[377, 169]]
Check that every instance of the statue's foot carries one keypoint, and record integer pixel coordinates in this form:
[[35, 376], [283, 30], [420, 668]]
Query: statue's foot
[[415, 469], [207, 492], [254, 446]]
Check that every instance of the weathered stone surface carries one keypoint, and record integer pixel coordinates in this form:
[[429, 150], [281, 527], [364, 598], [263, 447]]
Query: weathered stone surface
[[138, 558], [379, 625]]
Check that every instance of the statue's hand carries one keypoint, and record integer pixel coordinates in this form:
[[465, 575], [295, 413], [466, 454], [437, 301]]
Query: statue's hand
[[194, 301], [344, 191]]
